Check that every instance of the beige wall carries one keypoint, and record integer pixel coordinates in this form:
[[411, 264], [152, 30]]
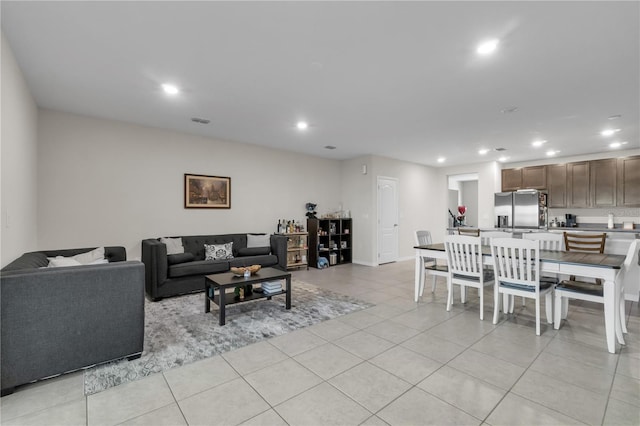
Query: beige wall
[[18, 151], [104, 182]]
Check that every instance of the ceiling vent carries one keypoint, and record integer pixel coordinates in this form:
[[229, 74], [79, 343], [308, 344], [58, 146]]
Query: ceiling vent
[[500, 149], [200, 120], [329, 147]]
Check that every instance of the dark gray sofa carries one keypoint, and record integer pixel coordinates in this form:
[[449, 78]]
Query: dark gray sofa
[[165, 280], [57, 320]]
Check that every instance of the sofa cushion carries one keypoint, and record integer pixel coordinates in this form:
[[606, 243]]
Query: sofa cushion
[[195, 244], [174, 245], [265, 260], [254, 240], [31, 260], [218, 251], [254, 251], [198, 267], [174, 259]]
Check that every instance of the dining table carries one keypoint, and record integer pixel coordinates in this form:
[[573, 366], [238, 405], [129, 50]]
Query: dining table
[[591, 265]]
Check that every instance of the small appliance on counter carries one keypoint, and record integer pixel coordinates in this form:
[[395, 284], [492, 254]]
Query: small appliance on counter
[[571, 220]]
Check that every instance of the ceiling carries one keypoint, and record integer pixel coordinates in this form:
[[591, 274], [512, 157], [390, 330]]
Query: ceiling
[[393, 79]]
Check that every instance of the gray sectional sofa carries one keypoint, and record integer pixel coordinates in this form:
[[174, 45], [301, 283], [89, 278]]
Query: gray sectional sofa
[[167, 276], [57, 320]]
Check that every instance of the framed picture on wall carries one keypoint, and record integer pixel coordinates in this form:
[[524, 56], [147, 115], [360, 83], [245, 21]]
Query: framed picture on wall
[[207, 192]]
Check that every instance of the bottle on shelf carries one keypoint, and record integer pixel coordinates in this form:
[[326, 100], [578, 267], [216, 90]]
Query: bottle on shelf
[[279, 227]]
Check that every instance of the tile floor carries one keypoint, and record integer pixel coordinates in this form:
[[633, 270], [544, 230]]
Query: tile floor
[[397, 363]]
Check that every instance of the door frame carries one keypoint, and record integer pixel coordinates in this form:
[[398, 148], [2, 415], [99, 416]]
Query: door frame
[[379, 223]]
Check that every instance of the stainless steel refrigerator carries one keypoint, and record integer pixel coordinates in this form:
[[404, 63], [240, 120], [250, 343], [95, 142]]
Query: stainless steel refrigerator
[[521, 209]]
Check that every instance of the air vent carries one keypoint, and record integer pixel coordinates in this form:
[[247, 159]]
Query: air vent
[[500, 149], [200, 120], [329, 147]]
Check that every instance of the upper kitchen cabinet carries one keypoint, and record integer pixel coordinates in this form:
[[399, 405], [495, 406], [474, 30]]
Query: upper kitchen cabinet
[[534, 177], [557, 186], [628, 181], [511, 179], [603, 182], [578, 190]]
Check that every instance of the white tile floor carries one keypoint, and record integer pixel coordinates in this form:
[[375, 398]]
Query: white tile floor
[[397, 363]]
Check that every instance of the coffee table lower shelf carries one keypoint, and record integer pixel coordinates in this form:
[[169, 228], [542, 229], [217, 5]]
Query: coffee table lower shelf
[[217, 284]]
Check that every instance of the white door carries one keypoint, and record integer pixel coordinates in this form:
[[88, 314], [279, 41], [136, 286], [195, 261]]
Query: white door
[[387, 220]]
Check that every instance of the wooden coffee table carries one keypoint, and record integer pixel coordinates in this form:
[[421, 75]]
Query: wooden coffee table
[[218, 283]]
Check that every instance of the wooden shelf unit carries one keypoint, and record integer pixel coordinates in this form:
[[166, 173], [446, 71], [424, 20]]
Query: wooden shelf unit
[[331, 239], [297, 250]]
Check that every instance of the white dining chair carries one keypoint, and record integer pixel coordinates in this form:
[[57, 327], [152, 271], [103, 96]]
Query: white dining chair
[[592, 292], [487, 235], [431, 267], [548, 240], [516, 263], [464, 258]]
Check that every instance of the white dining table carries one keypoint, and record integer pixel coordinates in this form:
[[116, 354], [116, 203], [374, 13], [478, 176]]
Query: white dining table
[[592, 265]]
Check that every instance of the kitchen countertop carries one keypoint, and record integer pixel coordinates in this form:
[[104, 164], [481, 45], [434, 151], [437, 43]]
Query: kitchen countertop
[[580, 227]]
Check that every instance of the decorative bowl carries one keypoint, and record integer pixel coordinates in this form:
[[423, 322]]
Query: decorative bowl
[[240, 270]]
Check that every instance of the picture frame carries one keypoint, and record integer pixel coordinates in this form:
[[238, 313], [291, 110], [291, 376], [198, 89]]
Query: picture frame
[[207, 192]]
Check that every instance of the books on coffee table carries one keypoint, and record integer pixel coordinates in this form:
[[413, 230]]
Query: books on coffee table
[[271, 287]]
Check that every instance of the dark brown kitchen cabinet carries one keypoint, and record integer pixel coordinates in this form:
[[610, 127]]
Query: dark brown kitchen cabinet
[[557, 186], [603, 182], [628, 181], [578, 191], [511, 179], [534, 177]]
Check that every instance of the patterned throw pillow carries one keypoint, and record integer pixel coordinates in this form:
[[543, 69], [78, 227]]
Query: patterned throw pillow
[[218, 251]]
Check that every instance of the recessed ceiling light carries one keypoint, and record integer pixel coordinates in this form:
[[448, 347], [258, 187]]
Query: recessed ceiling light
[[302, 125], [483, 151], [509, 109], [617, 144], [170, 89], [609, 132], [487, 47], [538, 143], [441, 160], [551, 153], [503, 159]]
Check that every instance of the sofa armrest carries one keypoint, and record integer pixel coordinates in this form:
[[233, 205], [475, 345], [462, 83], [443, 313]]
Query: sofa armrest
[[154, 257], [56, 320], [279, 248]]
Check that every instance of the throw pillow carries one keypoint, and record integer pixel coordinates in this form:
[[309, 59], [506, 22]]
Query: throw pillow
[[218, 251], [254, 251], [174, 245], [89, 257], [59, 261], [258, 240], [174, 259]]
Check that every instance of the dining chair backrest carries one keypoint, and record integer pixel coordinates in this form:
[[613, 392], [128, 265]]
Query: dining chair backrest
[[548, 240], [471, 232], [516, 261], [487, 235], [464, 255], [584, 242], [630, 271], [423, 238]]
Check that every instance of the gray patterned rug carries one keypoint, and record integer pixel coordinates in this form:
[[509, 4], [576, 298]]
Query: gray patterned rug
[[178, 332]]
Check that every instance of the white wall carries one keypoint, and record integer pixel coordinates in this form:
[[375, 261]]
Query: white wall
[[489, 180], [104, 182], [470, 200], [357, 197], [18, 151], [418, 202]]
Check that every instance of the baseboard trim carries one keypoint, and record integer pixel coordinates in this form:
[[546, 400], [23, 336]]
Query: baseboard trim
[[359, 262]]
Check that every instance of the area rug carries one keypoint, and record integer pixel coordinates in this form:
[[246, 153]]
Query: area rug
[[178, 332]]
